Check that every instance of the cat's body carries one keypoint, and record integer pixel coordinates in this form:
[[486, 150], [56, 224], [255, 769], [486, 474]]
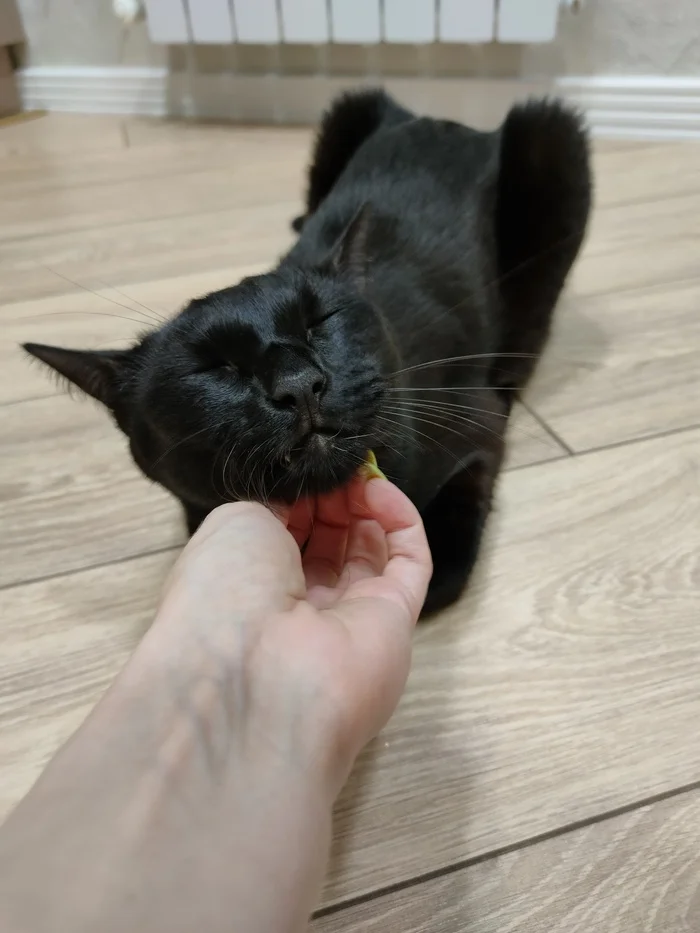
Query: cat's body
[[423, 241]]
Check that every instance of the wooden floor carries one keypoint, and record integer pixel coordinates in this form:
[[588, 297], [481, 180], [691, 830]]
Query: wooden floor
[[543, 771]]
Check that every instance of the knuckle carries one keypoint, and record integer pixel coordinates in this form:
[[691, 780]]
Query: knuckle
[[230, 511]]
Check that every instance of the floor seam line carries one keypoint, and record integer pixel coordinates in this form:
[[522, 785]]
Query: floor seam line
[[547, 428], [74, 571], [615, 445], [31, 398], [491, 855]]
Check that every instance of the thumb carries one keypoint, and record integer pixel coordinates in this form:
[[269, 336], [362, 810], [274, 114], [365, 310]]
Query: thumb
[[380, 648]]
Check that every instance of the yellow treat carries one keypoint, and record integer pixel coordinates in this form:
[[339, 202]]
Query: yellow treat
[[370, 468]]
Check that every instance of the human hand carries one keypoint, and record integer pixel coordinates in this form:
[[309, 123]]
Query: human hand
[[318, 645], [201, 786]]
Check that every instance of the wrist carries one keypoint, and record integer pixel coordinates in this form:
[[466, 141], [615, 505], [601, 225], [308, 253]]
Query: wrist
[[233, 699], [268, 774]]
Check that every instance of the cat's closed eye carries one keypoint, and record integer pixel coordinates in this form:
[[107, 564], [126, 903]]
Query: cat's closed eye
[[216, 365], [315, 323]]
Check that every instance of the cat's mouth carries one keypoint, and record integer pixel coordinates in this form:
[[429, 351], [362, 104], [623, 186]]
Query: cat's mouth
[[316, 464], [317, 443]]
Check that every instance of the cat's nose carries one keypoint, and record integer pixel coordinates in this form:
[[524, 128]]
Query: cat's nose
[[300, 390]]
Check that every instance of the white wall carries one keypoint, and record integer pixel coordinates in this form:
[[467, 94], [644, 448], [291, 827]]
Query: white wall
[[83, 32], [611, 37]]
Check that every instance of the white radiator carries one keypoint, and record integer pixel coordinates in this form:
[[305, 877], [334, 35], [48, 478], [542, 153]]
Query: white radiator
[[351, 21]]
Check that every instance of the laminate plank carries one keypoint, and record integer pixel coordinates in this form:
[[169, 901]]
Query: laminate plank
[[70, 497], [635, 264], [145, 250], [146, 133], [59, 207], [60, 135], [528, 442], [645, 171], [622, 366], [636, 872], [644, 224], [563, 686], [62, 641], [633, 147], [37, 172]]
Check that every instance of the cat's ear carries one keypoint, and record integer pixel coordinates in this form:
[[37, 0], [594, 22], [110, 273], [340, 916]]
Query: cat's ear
[[350, 252], [96, 372], [543, 196]]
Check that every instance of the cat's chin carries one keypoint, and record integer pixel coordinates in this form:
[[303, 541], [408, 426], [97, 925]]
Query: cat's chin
[[316, 483], [321, 467]]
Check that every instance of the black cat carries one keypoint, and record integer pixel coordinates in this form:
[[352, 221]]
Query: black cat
[[411, 310]]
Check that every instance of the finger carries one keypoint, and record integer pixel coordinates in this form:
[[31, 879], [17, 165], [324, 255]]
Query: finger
[[241, 548], [380, 632], [366, 555], [409, 566], [281, 512], [322, 597], [297, 518], [324, 557], [226, 516], [365, 558], [300, 518]]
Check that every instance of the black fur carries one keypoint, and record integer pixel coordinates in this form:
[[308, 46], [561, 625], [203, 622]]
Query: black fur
[[422, 241], [351, 120]]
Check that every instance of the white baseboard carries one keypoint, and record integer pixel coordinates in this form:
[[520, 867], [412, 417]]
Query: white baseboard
[[653, 107], [637, 107]]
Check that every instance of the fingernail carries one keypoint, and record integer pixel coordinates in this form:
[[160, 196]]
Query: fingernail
[[370, 468]]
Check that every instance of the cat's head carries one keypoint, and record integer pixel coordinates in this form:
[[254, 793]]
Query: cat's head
[[267, 390]]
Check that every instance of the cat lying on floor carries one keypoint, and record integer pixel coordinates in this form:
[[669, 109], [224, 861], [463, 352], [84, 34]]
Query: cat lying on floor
[[405, 319]]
